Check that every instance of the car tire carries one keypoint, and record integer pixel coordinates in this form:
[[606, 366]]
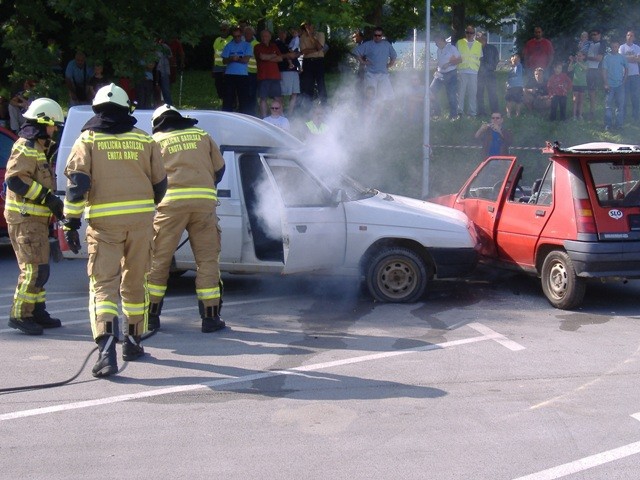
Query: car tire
[[397, 275], [560, 283]]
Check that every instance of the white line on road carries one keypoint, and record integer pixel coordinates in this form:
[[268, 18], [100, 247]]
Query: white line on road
[[501, 339], [229, 381], [585, 463]]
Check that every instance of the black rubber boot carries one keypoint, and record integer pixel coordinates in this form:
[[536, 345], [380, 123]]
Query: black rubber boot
[[107, 363], [42, 317], [132, 348], [155, 309], [211, 320], [26, 325]]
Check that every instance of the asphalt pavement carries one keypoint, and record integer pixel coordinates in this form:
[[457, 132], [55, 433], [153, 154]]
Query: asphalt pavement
[[312, 379]]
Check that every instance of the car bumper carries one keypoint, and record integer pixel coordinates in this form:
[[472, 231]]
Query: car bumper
[[454, 263], [605, 259]]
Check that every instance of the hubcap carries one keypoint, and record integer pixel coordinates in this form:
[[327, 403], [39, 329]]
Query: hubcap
[[558, 280], [397, 279]]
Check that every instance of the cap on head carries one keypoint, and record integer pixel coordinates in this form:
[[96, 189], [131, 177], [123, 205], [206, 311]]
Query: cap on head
[[45, 111], [162, 110], [112, 95]]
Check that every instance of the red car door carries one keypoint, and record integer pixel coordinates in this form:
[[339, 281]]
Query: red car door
[[522, 220], [482, 197]]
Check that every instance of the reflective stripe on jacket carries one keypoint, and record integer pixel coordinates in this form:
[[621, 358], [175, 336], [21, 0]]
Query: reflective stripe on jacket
[[191, 158], [28, 162], [122, 169]]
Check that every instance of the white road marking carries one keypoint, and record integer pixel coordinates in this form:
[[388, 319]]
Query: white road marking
[[585, 463], [164, 310], [230, 381], [501, 339]]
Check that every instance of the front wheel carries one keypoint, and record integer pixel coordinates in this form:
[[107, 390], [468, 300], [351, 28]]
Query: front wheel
[[397, 275], [560, 283]]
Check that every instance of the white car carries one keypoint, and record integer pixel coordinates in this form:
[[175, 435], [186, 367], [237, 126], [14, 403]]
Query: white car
[[281, 214]]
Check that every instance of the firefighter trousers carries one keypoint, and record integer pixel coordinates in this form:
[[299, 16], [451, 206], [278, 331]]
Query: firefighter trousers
[[30, 241], [119, 262], [204, 237]]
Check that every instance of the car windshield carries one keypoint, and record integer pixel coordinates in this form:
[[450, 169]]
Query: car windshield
[[352, 189], [617, 182]]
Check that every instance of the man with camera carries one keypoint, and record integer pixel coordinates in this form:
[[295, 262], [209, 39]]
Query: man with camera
[[495, 139]]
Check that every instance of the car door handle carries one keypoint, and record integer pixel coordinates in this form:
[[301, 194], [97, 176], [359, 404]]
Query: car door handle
[[491, 208], [301, 228], [540, 213]]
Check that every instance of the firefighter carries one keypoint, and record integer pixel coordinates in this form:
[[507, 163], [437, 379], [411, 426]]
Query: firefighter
[[28, 208], [194, 167], [116, 176]]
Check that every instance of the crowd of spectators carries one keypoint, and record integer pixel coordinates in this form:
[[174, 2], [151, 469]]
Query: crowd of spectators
[[289, 69], [538, 82]]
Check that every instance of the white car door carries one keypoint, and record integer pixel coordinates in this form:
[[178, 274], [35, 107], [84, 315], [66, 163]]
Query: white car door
[[313, 228]]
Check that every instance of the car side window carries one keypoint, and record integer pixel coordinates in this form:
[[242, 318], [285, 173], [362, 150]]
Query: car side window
[[542, 193], [297, 187], [487, 183], [6, 143]]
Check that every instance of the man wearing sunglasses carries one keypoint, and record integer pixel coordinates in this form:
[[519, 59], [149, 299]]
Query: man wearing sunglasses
[[377, 55], [471, 51]]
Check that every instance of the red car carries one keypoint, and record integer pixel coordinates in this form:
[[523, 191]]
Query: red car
[[7, 138], [580, 220]]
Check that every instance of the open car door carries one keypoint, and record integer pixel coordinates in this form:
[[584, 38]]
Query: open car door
[[313, 227], [482, 197]]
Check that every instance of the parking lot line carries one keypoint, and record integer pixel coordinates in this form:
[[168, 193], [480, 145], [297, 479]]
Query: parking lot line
[[501, 339], [234, 380], [585, 463]]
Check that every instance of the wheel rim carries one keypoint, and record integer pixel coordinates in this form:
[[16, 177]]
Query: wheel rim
[[557, 280], [397, 278]]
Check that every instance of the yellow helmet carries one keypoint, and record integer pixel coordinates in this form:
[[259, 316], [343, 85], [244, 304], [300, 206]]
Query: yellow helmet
[[45, 112], [112, 94]]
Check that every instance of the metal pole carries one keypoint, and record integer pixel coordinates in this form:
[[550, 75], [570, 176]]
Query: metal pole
[[426, 142], [415, 41]]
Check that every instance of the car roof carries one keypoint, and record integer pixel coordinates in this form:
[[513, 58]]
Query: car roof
[[597, 149]]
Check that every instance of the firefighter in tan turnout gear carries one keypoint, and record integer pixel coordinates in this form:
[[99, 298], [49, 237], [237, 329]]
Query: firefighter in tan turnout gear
[[116, 176], [194, 167], [28, 208]]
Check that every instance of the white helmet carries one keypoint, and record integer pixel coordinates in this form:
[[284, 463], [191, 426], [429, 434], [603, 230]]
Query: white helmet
[[45, 111], [162, 109], [112, 94]]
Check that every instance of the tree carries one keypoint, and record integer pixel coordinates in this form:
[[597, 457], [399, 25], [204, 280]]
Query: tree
[[120, 32], [563, 21]]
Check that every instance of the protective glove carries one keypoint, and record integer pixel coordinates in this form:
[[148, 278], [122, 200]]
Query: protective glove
[[71, 234], [53, 203]]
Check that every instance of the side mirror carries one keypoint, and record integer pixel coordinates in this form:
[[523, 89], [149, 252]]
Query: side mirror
[[338, 196]]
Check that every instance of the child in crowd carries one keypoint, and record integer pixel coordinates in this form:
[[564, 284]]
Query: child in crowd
[[583, 43], [515, 84], [578, 66], [558, 86]]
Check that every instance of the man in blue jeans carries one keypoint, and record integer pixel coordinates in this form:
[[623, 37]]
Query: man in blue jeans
[[445, 76], [614, 73]]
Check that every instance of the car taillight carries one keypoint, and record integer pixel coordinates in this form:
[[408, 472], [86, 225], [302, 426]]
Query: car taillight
[[584, 216]]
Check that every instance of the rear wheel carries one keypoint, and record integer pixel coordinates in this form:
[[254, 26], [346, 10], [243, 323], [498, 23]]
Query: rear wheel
[[397, 275], [560, 283]]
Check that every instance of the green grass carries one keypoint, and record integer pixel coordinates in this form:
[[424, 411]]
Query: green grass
[[392, 158]]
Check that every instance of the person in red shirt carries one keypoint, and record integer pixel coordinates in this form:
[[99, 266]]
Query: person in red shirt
[[558, 86], [267, 55], [538, 52]]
